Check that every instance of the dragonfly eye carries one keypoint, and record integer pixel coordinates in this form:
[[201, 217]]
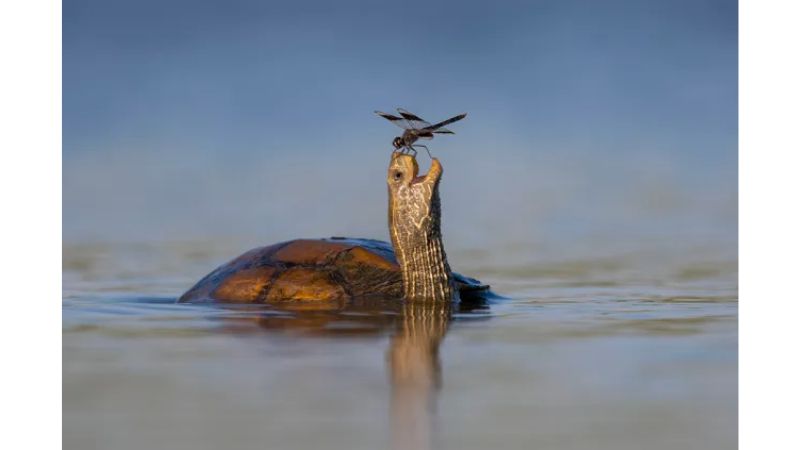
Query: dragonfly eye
[[397, 142]]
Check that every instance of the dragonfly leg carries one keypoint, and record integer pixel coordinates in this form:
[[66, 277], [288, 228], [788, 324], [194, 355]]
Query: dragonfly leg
[[426, 149], [410, 149]]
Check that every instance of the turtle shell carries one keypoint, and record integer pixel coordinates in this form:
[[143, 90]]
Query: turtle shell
[[310, 269]]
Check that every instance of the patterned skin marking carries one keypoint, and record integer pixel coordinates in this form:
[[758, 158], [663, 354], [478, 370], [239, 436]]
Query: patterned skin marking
[[415, 228]]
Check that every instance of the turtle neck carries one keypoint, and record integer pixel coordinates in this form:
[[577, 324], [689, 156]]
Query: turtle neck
[[415, 228]]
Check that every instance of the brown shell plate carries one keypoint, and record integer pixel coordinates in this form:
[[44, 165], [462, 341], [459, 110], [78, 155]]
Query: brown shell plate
[[311, 270], [304, 269]]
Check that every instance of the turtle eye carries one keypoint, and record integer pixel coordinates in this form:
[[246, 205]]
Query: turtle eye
[[398, 175]]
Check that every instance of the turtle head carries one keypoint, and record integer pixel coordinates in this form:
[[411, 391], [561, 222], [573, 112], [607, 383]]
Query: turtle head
[[414, 225], [402, 176]]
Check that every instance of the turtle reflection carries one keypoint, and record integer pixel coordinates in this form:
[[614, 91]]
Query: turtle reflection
[[415, 371], [413, 364]]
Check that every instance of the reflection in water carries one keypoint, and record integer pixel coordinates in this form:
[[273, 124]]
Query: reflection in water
[[415, 372], [412, 358]]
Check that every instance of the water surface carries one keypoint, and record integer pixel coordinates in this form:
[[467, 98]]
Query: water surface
[[605, 347]]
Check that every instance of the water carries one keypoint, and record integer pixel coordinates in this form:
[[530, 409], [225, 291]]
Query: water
[[604, 345]]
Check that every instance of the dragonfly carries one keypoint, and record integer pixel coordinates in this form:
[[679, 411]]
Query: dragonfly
[[416, 128]]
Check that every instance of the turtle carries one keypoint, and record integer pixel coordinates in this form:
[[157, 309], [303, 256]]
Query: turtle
[[413, 267]]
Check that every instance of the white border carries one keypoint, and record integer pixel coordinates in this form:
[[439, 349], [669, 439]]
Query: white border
[[769, 223], [30, 199]]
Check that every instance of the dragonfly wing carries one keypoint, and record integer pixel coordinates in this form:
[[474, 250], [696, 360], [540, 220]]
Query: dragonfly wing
[[446, 122], [415, 121], [399, 121]]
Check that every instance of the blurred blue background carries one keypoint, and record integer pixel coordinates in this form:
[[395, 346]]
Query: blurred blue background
[[611, 121]]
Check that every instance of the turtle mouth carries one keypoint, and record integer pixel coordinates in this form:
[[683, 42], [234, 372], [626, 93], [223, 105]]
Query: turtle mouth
[[418, 179]]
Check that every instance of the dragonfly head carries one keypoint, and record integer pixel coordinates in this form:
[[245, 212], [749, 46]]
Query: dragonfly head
[[398, 142]]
